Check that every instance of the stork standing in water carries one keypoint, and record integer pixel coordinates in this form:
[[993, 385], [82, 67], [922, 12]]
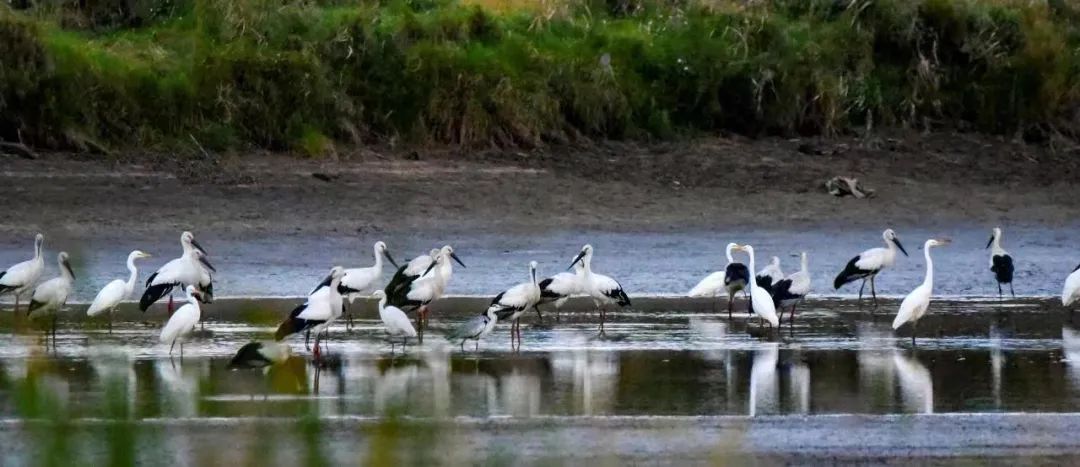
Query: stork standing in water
[[559, 288], [510, 304], [770, 275], [191, 268], [603, 289], [20, 278], [761, 303], [732, 279], [1001, 264], [182, 323], [52, 295], [364, 281], [416, 292], [869, 263], [917, 302], [394, 321], [116, 291], [789, 291], [1070, 294], [321, 308]]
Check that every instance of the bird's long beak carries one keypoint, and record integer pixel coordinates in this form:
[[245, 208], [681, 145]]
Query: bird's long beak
[[205, 262], [898, 245], [576, 260], [199, 247], [989, 242], [430, 267], [456, 259], [67, 265], [390, 258]]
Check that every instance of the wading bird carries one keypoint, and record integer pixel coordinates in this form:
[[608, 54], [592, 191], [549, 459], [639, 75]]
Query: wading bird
[[116, 291], [510, 304], [761, 303], [603, 289], [182, 323], [559, 288], [51, 295], [416, 292], [789, 291], [732, 279], [770, 275], [320, 309], [364, 281], [917, 302], [394, 321], [475, 328], [191, 268], [260, 355], [869, 263], [20, 278], [1070, 294], [1001, 264]]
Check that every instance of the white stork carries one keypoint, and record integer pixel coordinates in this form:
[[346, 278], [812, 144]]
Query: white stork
[[191, 268], [365, 281], [1070, 294], [789, 291], [510, 304], [917, 302], [1001, 264], [320, 309], [603, 289], [416, 292], [769, 275], [20, 278], [51, 296], [869, 263], [559, 288]]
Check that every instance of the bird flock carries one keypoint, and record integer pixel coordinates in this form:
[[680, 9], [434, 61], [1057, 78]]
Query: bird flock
[[424, 279]]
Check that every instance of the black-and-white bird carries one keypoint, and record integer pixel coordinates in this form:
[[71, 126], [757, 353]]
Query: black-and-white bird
[[415, 292], [868, 264], [51, 296], [322, 307], [365, 281], [191, 268], [511, 303], [1070, 293], [732, 279], [394, 320], [182, 323], [1001, 263], [20, 278], [769, 275], [116, 291], [475, 328], [559, 288], [789, 291], [255, 355], [602, 289]]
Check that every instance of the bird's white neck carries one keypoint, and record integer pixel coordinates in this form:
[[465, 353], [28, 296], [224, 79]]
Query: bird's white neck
[[996, 249], [929, 281], [192, 300], [753, 267], [134, 274], [804, 267], [727, 252], [37, 251], [382, 304], [378, 259]]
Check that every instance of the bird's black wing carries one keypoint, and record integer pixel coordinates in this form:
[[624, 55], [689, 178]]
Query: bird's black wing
[[765, 282], [850, 273], [781, 290], [1002, 267], [294, 323], [154, 293], [735, 272], [249, 356], [619, 295]]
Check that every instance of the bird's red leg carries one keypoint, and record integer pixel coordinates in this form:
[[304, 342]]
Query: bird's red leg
[[170, 304]]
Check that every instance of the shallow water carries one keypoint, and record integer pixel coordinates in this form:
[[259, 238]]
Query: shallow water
[[644, 262]]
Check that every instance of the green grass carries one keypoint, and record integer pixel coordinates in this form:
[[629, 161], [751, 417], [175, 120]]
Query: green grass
[[308, 76]]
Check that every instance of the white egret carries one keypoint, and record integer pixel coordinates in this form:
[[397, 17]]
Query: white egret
[[769, 275], [760, 301], [789, 291], [394, 320], [1070, 294], [191, 268], [20, 278], [364, 281], [917, 302], [475, 328], [1001, 264], [182, 323], [732, 279], [260, 355], [510, 304], [116, 291], [603, 289], [51, 296], [320, 309], [559, 288], [869, 263]]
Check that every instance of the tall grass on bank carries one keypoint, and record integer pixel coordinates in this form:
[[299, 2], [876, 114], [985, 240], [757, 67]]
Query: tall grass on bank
[[306, 75]]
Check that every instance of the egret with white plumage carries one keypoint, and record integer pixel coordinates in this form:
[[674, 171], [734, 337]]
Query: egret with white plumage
[[364, 281], [182, 323], [791, 290], [51, 296], [394, 321], [603, 290], [917, 302], [868, 264], [512, 303], [191, 268], [21, 278], [322, 307], [116, 291], [761, 303], [1001, 263]]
